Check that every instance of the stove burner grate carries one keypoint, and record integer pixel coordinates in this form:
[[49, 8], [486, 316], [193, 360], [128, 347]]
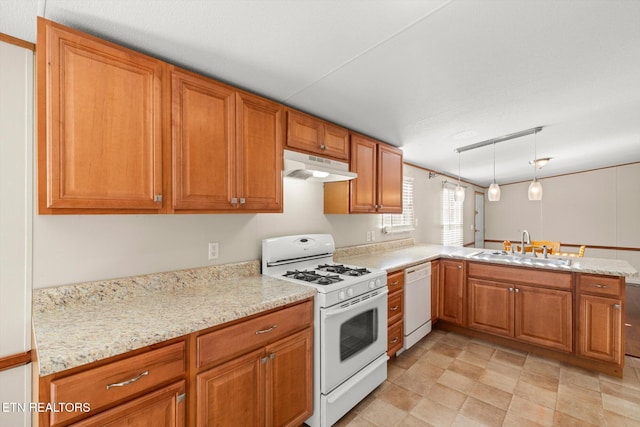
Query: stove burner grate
[[342, 269], [312, 277]]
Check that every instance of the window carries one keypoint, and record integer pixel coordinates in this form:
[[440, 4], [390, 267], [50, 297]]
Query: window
[[395, 223], [452, 218]]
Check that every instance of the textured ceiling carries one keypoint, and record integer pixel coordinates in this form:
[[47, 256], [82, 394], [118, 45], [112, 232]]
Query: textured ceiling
[[412, 73]]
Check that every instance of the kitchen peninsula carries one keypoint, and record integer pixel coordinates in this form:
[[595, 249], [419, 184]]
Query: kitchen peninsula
[[568, 310]]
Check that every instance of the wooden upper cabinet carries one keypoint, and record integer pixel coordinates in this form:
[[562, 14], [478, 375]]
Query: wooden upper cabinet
[[226, 148], [259, 135], [203, 142], [363, 162], [310, 134], [389, 188], [378, 187], [99, 125]]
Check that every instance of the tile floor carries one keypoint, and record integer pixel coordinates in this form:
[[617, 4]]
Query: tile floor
[[452, 380]]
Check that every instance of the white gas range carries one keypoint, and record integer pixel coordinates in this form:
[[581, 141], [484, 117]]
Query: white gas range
[[350, 325]]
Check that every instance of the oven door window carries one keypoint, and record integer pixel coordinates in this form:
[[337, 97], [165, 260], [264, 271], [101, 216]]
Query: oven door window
[[358, 333]]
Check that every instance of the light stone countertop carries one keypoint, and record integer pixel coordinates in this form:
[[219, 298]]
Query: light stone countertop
[[94, 321], [401, 258]]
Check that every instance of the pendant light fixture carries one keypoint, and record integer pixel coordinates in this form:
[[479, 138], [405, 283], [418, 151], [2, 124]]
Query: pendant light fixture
[[458, 195], [494, 189], [535, 188]]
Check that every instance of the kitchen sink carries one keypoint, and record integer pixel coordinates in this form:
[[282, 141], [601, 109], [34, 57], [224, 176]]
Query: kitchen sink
[[520, 259]]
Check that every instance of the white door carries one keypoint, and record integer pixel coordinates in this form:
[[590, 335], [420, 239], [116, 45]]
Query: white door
[[16, 152], [479, 220]]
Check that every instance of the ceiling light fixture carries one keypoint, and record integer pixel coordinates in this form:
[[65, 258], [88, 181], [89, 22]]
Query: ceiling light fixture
[[494, 189], [535, 188], [458, 195], [540, 163], [498, 139]]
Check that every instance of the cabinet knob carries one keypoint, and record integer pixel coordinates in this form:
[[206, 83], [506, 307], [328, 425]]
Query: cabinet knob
[[242, 200], [157, 198], [517, 290], [616, 306], [510, 289], [234, 200]]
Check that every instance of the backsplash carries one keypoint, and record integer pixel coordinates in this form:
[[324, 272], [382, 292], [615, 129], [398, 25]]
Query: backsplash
[[125, 288], [351, 251]]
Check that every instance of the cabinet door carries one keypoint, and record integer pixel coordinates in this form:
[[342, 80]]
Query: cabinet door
[[389, 197], [491, 307], [165, 407], [259, 153], [203, 142], [600, 328], [451, 292], [99, 113], [544, 317], [363, 162], [232, 394], [290, 380], [336, 141], [304, 132]]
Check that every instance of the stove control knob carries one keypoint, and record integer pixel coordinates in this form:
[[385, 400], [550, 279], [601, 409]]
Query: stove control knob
[[341, 295], [372, 284], [378, 282], [350, 292]]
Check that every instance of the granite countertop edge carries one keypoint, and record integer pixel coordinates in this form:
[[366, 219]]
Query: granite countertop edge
[[404, 257], [73, 327]]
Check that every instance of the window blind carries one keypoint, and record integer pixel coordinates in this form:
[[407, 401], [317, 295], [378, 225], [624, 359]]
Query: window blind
[[452, 219]]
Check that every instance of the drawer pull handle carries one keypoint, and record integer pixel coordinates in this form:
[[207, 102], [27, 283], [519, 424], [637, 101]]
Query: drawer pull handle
[[127, 382], [394, 283], [616, 306], [598, 285], [265, 331], [394, 308], [395, 340]]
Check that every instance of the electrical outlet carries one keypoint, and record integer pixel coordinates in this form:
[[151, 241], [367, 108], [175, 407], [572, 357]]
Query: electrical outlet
[[368, 236], [373, 235], [213, 250]]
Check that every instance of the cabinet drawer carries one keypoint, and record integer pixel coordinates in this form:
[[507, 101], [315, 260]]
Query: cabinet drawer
[[551, 279], [394, 338], [118, 380], [600, 285], [395, 307], [395, 282], [235, 340]]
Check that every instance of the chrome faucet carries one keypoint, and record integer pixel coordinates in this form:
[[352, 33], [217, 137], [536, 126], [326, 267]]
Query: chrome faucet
[[525, 233]]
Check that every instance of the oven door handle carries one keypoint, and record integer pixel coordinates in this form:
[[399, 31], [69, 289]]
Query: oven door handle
[[338, 311]]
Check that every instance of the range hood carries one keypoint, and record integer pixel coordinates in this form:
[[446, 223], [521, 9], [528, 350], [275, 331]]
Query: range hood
[[314, 168]]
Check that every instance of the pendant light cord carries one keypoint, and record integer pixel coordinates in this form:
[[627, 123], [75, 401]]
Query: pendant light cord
[[494, 162], [535, 154]]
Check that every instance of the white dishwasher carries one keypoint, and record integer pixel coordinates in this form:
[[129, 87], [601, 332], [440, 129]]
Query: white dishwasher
[[417, 303]]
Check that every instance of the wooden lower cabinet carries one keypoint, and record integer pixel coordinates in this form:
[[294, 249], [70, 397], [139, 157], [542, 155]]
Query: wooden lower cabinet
[[395, 313], [451, 291], [600, 334], [544, 317], [164, 407], [267, 387], [601, 318], [531, 314], [491, 307]]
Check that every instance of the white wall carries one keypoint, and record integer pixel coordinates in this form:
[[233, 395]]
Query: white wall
[[78, 248], [597, 208], [16, 135]]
